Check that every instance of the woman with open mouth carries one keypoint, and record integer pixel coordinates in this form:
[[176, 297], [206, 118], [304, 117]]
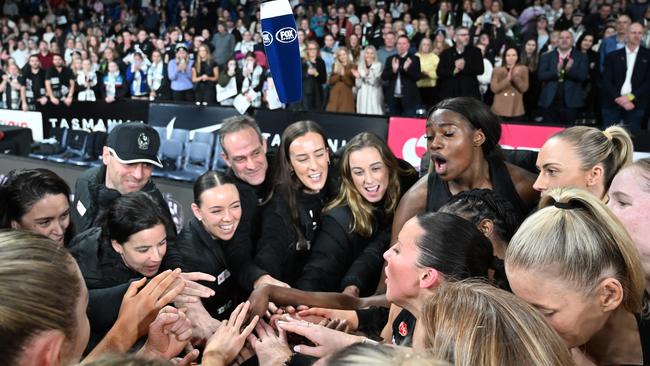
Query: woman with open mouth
[[216, 241], [463, 141], [356, 224], [292, 214]]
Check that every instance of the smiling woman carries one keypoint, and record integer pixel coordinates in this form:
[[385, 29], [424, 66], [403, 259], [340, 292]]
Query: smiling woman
[[37, 200], [292, 215]]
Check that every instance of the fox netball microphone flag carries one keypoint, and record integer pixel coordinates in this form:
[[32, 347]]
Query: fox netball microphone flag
[[280, 37]]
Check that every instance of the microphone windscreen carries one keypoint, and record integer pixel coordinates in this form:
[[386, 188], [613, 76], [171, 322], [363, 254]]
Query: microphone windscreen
[[280, 37]]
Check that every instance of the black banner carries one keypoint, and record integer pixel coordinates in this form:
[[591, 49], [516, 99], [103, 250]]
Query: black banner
[[92, 116], [338, 127]]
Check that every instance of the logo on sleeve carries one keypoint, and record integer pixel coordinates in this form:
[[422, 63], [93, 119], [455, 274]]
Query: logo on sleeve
[[286, 35]]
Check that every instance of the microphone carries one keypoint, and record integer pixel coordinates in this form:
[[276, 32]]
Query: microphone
[[280, 37]]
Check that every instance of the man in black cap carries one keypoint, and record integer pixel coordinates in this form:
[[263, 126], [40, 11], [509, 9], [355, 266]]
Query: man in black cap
[[129, 156]]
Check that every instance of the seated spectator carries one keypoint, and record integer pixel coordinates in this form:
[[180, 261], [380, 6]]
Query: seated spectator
[[314, 75], [341, 82], [370, 98], [10, 88], [561, 264], [136, 76], [583, 157], [205, 74], [509, 83], [626, 82], [230, 78], [179, 71], [562, 71], [37, 200], [114, 86], [157, 78]]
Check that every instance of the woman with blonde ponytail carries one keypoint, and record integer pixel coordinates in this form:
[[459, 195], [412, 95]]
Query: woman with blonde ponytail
[[574, 262], [583, 157]]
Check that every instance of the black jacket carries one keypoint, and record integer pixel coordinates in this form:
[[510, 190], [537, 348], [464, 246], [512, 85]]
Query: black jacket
[[107, 278], [342, 258], [92, 198], [464, 83], [409, 78], [614, 76], [229, 261]]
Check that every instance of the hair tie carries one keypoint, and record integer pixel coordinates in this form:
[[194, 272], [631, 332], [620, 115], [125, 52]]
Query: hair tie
[[607, 135], [565, 205]]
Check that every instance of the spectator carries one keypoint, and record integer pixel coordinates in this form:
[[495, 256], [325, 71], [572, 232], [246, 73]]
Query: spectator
[[591, 85], [402, 71], [314, 75], [540, 34], [577, 29], [530, 59], [114, 85], [486, 77], [444, 17], [458, 68], [565, 21], [59, 82], [428, 65], [617, 42], [317, 22], [136, 76], [554, 12], [205, 74], [626, 82], [86, 83], [245, 46], [20, 54], [388, 49], [354, 46], [341, 82], [108, 57], [223, 44], [10, 88], [252, 82], [180, 74], [562, 71], [33, 85], [157, 78], [598, 20], [509, 83], [370, 99], [44, 55], [423, 31], [230, 79], [345, 26], [327, 52]]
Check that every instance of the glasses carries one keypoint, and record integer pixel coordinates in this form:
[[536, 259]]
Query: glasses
[[462, 34]]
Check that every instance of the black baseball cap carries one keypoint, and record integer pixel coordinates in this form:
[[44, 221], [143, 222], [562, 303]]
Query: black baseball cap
[[134, 142]]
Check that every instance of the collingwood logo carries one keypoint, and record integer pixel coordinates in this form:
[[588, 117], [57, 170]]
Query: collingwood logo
[[143, 141]]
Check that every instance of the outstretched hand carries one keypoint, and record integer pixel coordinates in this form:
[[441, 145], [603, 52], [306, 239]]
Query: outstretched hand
[[325, 340], [228, 340]]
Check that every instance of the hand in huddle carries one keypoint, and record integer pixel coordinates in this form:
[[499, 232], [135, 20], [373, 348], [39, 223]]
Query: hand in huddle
[[224, 346]]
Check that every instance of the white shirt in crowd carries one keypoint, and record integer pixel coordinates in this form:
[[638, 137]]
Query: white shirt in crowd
[[630, 58]]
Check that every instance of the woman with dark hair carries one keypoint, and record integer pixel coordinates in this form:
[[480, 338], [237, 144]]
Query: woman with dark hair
[[37, 200], [356, 224], [216, 241], [230, 78], [509, 83], [463, 141], [529, 57], [584, 44], [495, 217], [292, 215], [432, 249]]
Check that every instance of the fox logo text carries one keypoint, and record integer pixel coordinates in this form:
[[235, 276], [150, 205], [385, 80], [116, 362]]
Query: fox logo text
[[285, 35]]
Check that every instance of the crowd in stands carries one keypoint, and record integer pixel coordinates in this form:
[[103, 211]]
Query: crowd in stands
[[530, 60]]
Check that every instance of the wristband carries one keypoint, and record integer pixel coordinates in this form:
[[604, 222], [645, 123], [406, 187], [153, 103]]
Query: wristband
[[367, 340], [630, 97]]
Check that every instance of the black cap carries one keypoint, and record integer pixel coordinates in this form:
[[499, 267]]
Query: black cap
[[578, 13], [134, 142]]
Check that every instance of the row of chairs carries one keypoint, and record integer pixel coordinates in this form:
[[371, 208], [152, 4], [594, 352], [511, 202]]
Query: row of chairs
[[186, 159], [183, 159]]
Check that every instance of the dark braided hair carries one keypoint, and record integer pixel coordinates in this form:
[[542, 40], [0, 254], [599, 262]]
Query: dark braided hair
[[478, 204]]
